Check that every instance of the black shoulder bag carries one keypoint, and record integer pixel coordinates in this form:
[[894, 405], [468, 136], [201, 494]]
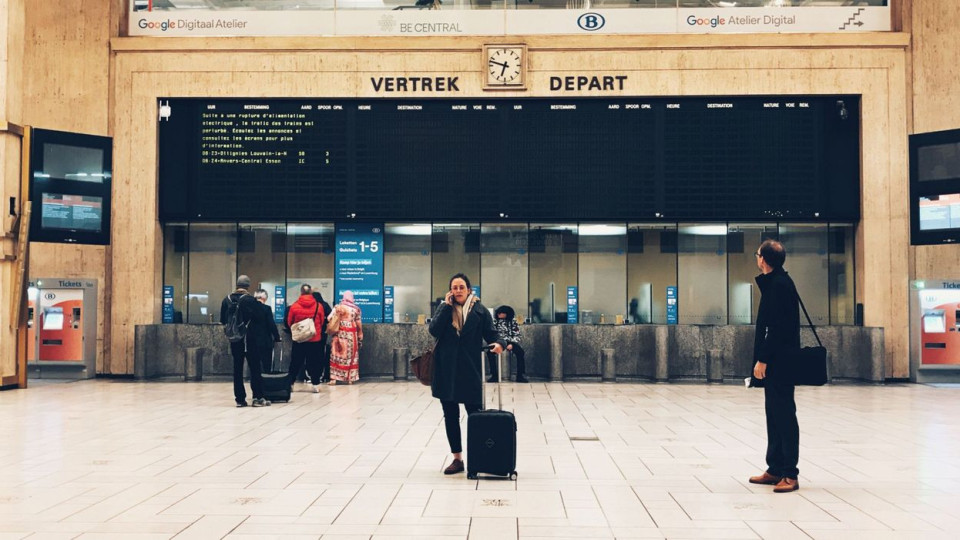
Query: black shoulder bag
[[810, 363]]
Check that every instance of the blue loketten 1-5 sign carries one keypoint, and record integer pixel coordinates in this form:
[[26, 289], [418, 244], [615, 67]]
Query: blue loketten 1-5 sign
[[359, 266]]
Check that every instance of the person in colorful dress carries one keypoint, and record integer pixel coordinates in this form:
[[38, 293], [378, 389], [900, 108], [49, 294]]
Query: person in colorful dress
[[347, 340]]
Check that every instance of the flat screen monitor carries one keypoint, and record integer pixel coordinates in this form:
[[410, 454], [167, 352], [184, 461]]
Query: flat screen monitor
[[70, 177], [935, 187]]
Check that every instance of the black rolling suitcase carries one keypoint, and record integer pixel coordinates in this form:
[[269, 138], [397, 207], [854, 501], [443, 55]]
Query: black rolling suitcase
[[491, 436], [276, 386]]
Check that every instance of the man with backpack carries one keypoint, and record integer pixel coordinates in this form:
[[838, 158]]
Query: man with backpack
[[237, 310]]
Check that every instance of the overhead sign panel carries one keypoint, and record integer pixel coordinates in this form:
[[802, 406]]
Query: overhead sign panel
[[495, 22]]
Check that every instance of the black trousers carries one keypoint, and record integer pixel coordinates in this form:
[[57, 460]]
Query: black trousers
[[451, 421], [309, 353], [324, 364], [783, 431], [521, 362], [237, 350]]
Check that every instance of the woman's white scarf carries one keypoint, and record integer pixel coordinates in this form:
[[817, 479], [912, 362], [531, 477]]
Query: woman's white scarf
[[460, 313]]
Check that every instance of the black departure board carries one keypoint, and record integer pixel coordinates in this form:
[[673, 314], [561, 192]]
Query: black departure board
[[510, 159]]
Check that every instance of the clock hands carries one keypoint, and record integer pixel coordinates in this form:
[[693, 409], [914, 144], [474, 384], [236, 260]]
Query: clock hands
[[503, 66]]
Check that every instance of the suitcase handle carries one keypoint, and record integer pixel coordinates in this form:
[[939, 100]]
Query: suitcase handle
[[483, 377]]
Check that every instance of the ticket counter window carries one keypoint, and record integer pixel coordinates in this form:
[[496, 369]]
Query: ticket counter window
[[702, 273], [651, 268], [175, 264], [806, 246], [743, 296], [840, 244], [603, 273], [553, 267], [406, 262], [455, 248], [310, 259], [213, 270], [261, 255], [504, 266]]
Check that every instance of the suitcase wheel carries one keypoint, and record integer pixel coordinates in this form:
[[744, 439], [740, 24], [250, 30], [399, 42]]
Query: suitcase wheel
[[472, 475], [513, 475]]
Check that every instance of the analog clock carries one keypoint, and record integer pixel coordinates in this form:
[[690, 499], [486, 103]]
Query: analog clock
[[505, 66]]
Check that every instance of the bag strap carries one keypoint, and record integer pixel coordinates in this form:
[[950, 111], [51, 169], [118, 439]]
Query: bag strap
[[807, 315]]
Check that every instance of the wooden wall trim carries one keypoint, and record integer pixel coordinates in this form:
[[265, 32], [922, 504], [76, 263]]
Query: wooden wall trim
[[872, 40]]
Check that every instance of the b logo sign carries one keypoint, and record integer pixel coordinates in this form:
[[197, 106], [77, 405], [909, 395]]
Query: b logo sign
[[591, 21]]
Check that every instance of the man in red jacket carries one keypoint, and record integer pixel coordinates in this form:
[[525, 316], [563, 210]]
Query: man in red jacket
[[311, 351]]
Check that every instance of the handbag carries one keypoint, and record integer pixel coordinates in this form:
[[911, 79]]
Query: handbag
[[333, 323], [305, 330], [810, 363], [422, 366]]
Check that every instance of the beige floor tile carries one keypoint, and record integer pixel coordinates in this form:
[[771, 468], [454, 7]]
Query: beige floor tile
[[671, 461]]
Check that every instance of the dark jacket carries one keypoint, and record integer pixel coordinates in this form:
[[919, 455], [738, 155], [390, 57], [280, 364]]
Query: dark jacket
[[327, 310], [261, 331], [304, 308], [456, 364], [778, 319]]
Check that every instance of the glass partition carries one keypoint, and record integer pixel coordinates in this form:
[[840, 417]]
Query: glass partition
[[504, 266], [213, 269], [651, 268], [603, 273], [406, 262], [176, 261], [456, 249], [842, 271], [261, 255], [553, 268], [702, 273], [806, 246], [743, 297], [310, 259]]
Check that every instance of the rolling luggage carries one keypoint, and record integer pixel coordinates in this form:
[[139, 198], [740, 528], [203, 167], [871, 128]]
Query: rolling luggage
[[491, 436], [276, 386]]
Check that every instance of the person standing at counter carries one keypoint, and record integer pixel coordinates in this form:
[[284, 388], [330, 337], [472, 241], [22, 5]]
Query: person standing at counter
[[237, 311], [308, 352], [461, 324], [347, 330]]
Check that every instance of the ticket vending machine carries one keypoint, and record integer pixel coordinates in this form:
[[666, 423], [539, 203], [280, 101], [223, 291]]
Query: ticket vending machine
[[62, 328], [935, 330]]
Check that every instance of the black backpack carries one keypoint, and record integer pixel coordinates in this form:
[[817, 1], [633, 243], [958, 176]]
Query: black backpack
[[236, 327]]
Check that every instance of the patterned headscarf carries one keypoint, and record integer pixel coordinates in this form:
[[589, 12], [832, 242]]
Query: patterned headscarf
[[460, 312]]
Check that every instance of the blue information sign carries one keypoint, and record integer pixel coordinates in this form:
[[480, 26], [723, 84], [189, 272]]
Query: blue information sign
[[279, 303], [573, 309], [167, 304], [475, 289], [388, 303], [360, 266], [672, 305]]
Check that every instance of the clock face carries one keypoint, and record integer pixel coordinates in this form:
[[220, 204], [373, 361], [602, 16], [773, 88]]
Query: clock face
[[505, 66]]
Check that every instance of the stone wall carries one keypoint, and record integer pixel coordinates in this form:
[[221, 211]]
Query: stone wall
[[688, 353]]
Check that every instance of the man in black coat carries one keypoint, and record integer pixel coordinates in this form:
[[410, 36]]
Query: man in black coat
[[776, 344], [263, 333], [250, 311]]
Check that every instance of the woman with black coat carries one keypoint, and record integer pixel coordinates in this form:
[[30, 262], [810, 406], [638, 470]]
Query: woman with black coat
[[461, 324]]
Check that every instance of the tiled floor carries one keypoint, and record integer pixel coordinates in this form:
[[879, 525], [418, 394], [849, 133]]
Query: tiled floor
[[101, 459]]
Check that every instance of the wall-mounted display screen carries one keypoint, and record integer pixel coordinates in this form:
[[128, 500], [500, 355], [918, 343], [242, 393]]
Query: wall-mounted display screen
[[935, 187], [70, 187], [623, 158]]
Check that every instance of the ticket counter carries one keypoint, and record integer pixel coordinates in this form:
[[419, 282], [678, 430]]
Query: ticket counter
[[62, 328]]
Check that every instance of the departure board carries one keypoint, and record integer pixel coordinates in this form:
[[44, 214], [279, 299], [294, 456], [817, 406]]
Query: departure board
[[512, 159]]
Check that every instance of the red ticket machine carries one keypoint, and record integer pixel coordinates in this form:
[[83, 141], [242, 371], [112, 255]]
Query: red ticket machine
[[62, 329], [940, 334]]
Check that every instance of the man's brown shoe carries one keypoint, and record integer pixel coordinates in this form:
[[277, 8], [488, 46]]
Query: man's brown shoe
[[455, 467], [765, 478], [786, 485]]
